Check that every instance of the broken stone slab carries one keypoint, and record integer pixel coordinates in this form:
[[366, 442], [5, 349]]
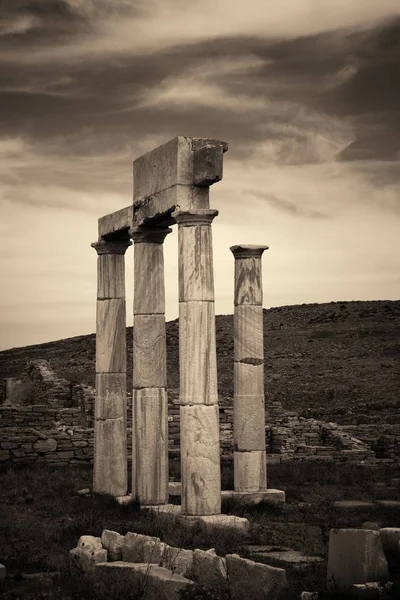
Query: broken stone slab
[[271, 497], [133, 546], [89, 541], [151, 581], [209, 569], [217, 521], [355, 556], [178, 560], [353, 504], [84, 558], [124, 499], [390, 537], [169, 509], [153, 552], [83, 492], [174, 488], [389, 503], [248, 579], [285, 558], [113, 541], [366, 591]]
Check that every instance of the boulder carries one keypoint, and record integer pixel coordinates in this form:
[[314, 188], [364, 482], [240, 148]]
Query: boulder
[[355, 556]]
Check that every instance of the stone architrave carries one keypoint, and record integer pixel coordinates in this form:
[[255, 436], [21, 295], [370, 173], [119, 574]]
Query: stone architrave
[[150, 405], [199, 413], [250, 473], [110, 448]]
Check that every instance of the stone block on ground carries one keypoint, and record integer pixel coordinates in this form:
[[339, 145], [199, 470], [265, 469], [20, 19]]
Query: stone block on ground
[[209, 569], [112, 542], [355, 556], [89, 541], [178, 560], [390, 537], [84, 558], [153, 552], [285, 558], [133, 547], [248, 579], [366, 591], [217, 522], [271, 497]]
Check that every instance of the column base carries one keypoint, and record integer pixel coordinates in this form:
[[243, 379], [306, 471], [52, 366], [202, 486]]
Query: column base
[[269, 497]]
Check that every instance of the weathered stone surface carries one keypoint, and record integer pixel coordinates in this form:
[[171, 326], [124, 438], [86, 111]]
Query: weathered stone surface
[[110, 396], [83, 558], [110, 276], [121, 220], [249, 422], [196, 274], [133, 546], [110, 467], [208, 165], [112, 542], [355, 556], [110, 336], [197, 354], [248, 333], [149, 289], [153, 551], [248, 379], [90, 542], [250, 471], [178, 560], [270, 496], [149, 355], [150, 582], [285, 558], [248, 274], [49, 445], [366, 591], [150, 446], [248, 579], [214, 523], [352, 504], [209, 569], [390, 537], [200, 456]]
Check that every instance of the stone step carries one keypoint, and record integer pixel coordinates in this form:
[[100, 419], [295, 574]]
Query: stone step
[[283, 557]]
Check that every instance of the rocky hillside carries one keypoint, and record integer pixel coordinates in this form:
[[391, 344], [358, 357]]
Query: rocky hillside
[[338, 361]]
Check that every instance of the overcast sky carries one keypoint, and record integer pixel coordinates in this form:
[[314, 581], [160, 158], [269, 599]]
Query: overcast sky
[[306, 93]]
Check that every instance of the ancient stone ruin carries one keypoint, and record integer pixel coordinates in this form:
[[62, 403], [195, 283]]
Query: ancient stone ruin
[[171, 186]]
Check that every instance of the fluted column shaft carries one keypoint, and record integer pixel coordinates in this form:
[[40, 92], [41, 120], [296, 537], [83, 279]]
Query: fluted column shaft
[[110, 450], [250, 474], [199, 413], [150, 404]]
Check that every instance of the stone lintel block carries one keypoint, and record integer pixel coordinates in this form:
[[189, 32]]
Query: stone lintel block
[[249, 423], [111, 336], [150, 446], [116, 222], [149, 287], [110, 276], [248, 334], [197, 353], [271, 497], [110, 400], [355, 556], [149, 351], [207, 165], [250, 471], [158, 209], [200, 460], [248, 379], [110, 457], [196, 274], [248, 579], [248, 281]]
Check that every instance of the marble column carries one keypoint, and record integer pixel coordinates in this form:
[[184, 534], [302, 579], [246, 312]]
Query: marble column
[[199, 413], [250, 473], [150, 404], [110, 451]]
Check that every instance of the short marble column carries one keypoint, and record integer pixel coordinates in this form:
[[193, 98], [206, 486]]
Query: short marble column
[[150, 404], [110, 450], [199, 413], [248, 409]]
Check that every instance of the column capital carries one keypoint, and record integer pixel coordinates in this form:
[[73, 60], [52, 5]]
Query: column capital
[[247, 251], [149, 235], [115, 246], [188, 218]]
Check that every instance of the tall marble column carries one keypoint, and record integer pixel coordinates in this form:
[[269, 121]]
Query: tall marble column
[[199, 414], [150, 404], [250, 473], [110, 451]]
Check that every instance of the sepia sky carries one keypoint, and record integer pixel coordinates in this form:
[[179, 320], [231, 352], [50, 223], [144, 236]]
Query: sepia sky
[[305, 92]]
